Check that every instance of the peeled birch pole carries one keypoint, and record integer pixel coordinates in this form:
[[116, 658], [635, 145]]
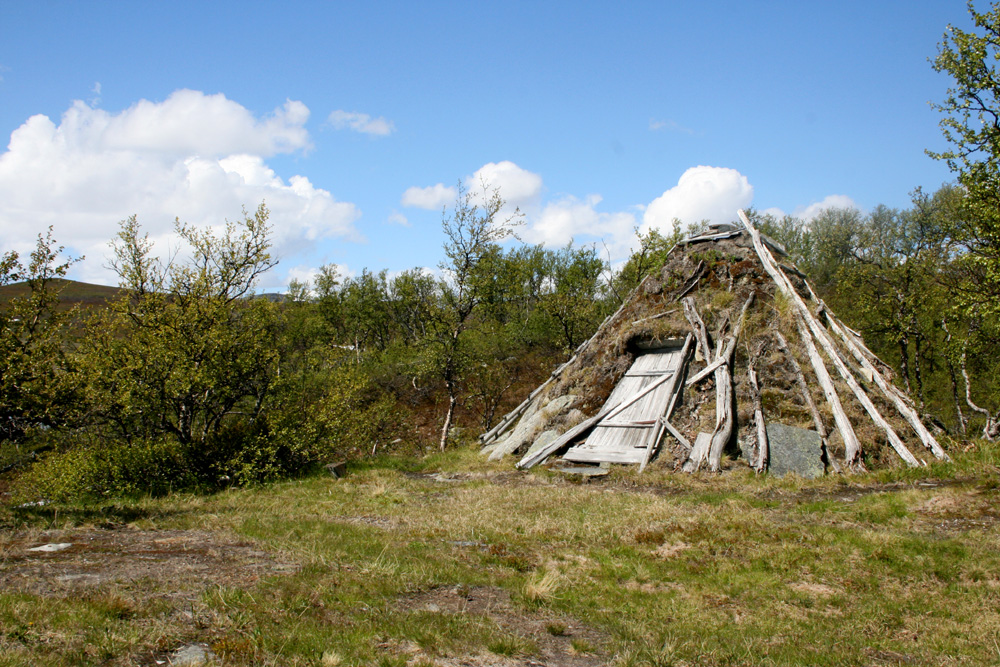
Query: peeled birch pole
[[724, 409], [700, 332], [888, 390], [852, 448], [800, 379], [724, 394], [763, 453], [826, 342]]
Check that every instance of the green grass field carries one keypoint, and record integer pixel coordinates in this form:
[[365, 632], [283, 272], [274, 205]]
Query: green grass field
[[452, 561]]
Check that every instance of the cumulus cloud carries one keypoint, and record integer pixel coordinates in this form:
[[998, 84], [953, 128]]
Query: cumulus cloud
[[194, 156], [361, 122], [519, 187], [430, 198], [398, 218], [712, 193], [572, 219], [701, 193], [809, 212]]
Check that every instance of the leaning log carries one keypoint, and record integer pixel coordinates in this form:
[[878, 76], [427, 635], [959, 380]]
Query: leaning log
[[763, 451], [698, 325], [852, 447], [826, 342], [800, 379]]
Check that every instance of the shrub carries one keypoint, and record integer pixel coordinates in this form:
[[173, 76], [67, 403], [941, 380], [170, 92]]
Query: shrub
[[152, 467]]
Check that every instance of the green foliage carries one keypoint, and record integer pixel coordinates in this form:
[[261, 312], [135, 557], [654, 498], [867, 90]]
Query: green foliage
[[100, 469], [652, 253], [186, 350], [343, 415], [36, 386], [971, 124]]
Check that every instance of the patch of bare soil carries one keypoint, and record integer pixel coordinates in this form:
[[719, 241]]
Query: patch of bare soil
[[558, 638], [961, 511], [176, 564]]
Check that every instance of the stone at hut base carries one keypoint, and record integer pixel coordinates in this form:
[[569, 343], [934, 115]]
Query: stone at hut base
[[794, 449]]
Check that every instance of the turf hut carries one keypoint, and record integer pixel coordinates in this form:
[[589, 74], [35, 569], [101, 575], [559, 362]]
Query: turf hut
[[724, 354]]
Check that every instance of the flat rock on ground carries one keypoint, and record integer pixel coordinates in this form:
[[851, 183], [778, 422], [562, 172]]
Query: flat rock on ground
[[167, 563]]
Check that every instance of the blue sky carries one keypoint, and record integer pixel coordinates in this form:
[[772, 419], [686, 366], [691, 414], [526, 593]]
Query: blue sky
[[355, 121]]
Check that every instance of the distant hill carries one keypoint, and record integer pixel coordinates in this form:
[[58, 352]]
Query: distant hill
[[88, 295], [73, 293]]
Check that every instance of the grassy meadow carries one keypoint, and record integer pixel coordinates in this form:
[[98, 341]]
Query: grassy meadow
[[450, 560]]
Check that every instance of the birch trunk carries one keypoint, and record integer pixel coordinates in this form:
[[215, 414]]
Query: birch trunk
[[763, 452], [824, 340]]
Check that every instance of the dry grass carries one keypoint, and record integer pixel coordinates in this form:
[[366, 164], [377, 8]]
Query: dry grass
[[454, 561]]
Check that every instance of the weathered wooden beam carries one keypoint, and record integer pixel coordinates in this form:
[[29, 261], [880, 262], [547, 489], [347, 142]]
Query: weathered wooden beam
[[897, 398], [821, 336], [652, 442], [763, 451], [725, 408], [699, 452], [698, 325], [800, 379], [530, 460], [677, 434]]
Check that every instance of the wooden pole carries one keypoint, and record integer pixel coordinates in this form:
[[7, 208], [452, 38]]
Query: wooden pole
[[888, 390], [824, 340], [852, 448], [763, 452], [700, 333], [800, 379], [724, 394]]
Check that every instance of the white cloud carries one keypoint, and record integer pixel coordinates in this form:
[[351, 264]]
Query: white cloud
[[431, 198], [361, 122], [807, 213], [672, 125], [398, 218], [569, 219], [193, 156], [701, 193], [519, 187]]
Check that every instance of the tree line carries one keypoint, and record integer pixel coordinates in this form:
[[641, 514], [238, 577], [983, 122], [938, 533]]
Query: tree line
[[191, 380]]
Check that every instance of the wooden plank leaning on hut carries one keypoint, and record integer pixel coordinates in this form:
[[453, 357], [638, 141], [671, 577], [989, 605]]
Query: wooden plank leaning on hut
[[670, 399], [900, 400]]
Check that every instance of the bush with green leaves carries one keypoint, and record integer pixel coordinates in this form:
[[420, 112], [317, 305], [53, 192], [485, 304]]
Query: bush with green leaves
[[36, 387]]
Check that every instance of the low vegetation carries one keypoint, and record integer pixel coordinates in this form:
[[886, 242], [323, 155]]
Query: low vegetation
[[447, 560]]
